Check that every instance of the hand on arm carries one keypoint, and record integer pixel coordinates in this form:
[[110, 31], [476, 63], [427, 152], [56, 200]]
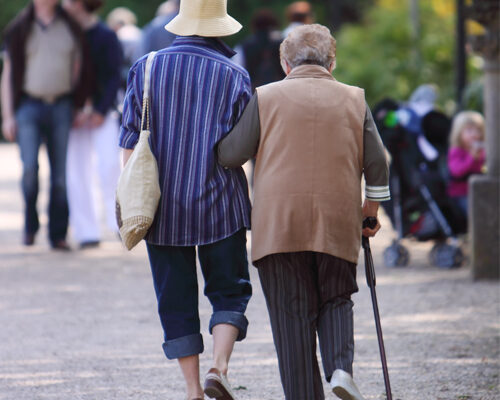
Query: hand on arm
[[9, 125]]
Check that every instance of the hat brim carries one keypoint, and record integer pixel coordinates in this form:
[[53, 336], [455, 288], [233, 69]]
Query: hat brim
[[209, 27]]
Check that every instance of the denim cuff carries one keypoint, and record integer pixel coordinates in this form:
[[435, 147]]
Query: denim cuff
[[184, 346], [234, 318]]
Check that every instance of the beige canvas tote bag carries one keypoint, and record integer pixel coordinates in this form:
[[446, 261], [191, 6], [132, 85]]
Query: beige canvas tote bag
[[138, 191]]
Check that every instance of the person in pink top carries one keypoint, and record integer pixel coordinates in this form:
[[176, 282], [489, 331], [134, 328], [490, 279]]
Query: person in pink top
[[466, 155]]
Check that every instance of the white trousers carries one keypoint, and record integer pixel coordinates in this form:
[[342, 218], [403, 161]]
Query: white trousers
[[93, 162]]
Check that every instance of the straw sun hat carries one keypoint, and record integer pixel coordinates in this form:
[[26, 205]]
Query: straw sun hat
[[207, 18]]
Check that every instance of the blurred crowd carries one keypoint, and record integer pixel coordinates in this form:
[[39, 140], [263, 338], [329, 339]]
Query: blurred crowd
[[64, 81]]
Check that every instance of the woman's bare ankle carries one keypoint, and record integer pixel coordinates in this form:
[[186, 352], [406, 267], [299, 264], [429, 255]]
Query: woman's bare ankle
[[195, 393]]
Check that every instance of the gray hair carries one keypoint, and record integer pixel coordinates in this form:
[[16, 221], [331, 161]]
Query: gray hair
[[309, 44]]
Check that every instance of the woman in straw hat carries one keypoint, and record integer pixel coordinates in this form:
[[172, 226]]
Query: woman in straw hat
[[314, 138], [197, 93]]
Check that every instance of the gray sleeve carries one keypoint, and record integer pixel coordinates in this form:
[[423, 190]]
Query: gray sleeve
[[375, 162], [242, 142]]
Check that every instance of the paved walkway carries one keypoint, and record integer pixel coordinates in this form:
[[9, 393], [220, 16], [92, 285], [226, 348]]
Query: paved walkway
[[83, 325]]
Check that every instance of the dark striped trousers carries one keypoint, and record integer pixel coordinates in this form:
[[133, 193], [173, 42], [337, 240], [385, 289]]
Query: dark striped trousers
[[309, 293]]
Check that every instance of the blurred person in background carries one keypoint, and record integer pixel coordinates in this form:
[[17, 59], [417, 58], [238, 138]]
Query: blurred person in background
[[197, 93], [123, 22], [466, 155], [93, 146], [45, 76], [154, 36], [297, 14], [313, 138], [259, 53]]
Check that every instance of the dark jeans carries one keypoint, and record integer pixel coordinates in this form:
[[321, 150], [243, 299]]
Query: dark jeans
[[224, 265], [38, 122]]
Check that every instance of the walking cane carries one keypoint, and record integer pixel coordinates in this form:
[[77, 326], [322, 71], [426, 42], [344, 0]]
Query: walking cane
[[371, 222]]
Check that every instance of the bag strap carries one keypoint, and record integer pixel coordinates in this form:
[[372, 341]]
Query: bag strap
[[146, 107]]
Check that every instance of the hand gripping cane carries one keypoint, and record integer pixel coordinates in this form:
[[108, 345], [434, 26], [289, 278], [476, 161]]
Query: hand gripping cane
[[371, 223]]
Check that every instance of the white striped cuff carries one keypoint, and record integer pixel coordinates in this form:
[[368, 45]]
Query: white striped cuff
[[377, 193]]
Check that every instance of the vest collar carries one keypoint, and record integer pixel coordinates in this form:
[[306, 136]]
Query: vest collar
[[310, 71]]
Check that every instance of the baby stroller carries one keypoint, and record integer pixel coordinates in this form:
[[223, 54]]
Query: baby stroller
[[420, 208]]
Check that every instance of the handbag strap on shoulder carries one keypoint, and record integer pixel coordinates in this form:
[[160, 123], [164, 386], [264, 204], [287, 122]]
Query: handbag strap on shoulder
[[146, 107]]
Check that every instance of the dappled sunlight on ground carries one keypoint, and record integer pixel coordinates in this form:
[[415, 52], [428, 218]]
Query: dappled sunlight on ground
[[83, 324]]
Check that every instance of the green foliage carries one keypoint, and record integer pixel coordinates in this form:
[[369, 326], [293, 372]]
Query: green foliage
[[8, 9], [380, 54], [383, 56]]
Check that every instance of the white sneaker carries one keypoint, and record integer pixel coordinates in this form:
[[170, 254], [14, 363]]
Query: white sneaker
[[217, 386], [344, 387]]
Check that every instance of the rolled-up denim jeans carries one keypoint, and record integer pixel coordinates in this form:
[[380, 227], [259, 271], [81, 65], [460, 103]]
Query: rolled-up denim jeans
[[224, 265]]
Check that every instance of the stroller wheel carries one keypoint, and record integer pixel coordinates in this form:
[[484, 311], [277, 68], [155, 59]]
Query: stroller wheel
[[446, 256], [396, 255]]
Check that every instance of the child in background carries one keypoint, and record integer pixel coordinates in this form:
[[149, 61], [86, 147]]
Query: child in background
[[466, 155]]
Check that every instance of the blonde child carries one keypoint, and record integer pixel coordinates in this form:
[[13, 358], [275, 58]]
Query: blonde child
[[466, 155]]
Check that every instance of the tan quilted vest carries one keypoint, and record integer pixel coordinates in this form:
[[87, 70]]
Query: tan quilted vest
[[307, 193]]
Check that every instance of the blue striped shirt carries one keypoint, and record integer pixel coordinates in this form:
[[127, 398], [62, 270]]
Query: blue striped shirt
[[197, 95]]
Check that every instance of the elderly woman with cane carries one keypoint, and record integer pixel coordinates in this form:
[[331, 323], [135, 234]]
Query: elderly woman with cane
[[313, 138]]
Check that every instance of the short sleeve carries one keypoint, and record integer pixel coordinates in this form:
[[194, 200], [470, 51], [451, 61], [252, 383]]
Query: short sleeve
[[132, 108], [244, 96]]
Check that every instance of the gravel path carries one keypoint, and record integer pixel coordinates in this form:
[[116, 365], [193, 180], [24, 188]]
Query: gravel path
[[83, 325]]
